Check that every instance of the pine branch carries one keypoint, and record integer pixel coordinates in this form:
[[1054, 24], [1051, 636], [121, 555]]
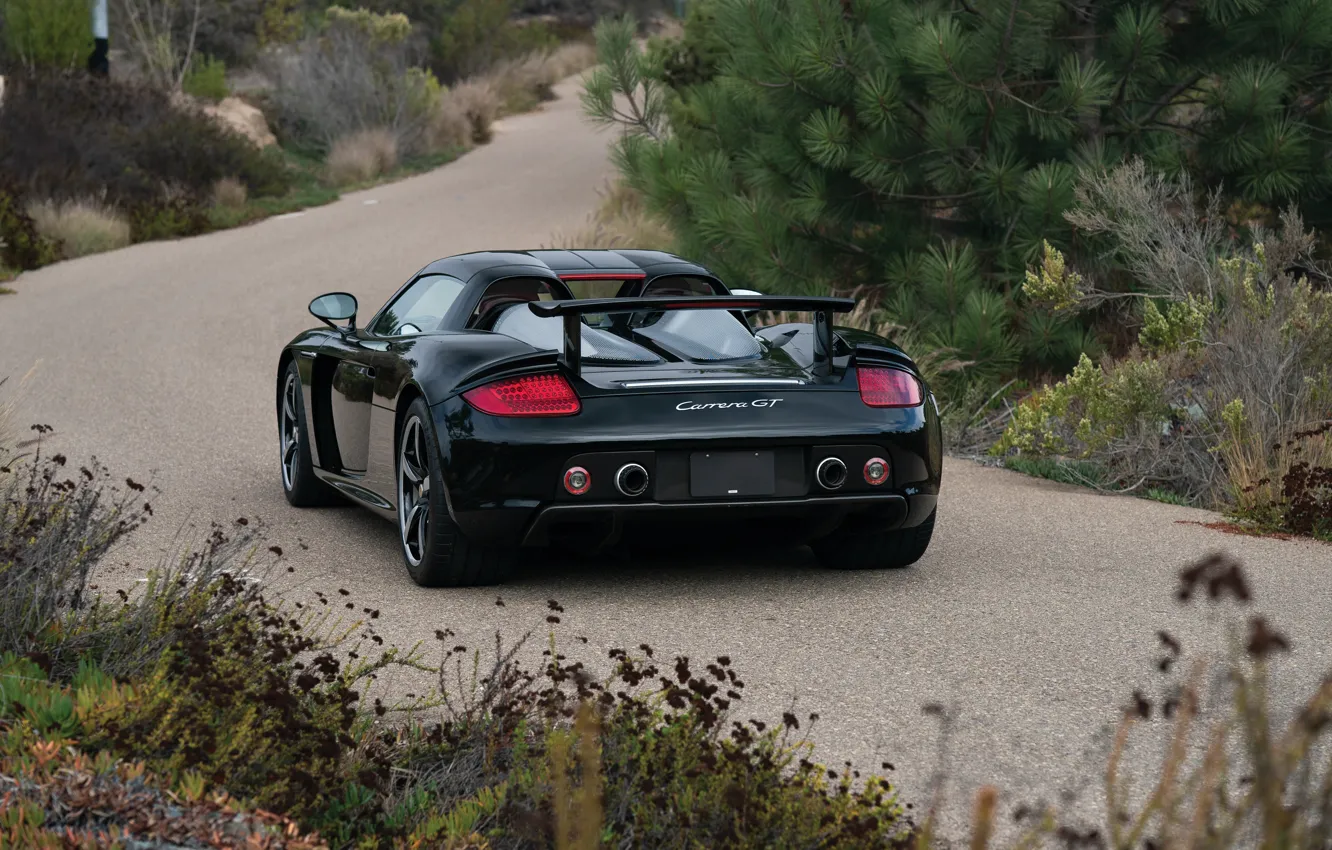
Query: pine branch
[[1169, 97], [1006, 42]]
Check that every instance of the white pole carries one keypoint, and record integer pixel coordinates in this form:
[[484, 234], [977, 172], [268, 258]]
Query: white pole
[[97, 62], [99, 19]]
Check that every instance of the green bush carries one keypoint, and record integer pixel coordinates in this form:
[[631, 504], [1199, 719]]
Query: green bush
[[207, 78], [1225, 400], [51, 34], [356, 75], [835, 146], [22, 247], [69, 136], [480, 34]]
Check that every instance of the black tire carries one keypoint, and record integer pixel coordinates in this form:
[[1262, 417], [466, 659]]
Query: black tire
[[300, 485], [874, 550], [447, 558]]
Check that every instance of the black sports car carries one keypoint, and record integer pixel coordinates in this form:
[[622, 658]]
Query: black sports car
[[491, 405]]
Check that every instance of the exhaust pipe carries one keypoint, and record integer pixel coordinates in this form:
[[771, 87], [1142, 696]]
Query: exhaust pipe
[[631, 480], [831, 473]]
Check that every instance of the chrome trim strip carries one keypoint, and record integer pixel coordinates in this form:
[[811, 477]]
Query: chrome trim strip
[[705, 382]]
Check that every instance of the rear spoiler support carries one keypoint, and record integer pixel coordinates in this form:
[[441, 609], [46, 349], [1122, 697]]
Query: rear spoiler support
[[572, 311]]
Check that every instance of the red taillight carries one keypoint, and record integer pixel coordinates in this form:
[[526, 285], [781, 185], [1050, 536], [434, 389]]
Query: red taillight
[[888, 387], [529, 395]]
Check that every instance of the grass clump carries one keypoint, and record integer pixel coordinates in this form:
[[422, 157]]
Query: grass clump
[[361, 156], [80, 227], [230, 193], [620, 221]]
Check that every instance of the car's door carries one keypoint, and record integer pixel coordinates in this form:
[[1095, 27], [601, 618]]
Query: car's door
[[370, 365]]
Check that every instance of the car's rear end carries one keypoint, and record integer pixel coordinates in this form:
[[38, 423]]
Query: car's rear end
[[804, 433]]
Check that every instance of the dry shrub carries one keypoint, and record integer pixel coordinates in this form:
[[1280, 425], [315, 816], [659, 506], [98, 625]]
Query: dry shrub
[[572, 58], [1236, 768], [451, 126], [621, 220], [80, 227], [358, 73], [520, 84], [230, 193], [10, 396], [360, 156], [479, 102]]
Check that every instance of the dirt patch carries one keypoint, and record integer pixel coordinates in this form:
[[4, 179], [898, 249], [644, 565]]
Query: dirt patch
[[1246, 531]]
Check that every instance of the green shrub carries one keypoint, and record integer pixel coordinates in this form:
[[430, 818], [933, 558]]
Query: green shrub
[[1225, 399], [51, 34], [22, 247], [72, 136], [480, 34], [207, 78], [832, 146], [356, 75]]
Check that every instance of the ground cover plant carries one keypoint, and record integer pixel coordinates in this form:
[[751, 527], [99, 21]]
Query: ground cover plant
[[205, 710], [200, 701], [1225, 399]]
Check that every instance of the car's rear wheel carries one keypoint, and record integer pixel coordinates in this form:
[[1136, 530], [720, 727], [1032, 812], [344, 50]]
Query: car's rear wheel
[[854, 549], [437, 553], [300, 485]]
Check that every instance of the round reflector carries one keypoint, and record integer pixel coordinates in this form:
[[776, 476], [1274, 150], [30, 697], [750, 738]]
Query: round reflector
[[577, 481], [876, 470]]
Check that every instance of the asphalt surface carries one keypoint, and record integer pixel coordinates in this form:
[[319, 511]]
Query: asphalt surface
[[1034, 613]]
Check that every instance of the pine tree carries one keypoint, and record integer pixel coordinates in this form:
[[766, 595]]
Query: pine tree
[[929, 148]]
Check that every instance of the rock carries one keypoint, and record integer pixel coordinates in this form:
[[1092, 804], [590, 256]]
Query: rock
[[245, 119]]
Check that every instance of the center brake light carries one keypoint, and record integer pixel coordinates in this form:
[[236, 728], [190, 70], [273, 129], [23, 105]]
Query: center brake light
[[527, 395], [885, 387]]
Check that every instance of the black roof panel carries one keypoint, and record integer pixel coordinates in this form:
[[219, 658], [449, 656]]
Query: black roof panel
[[558, 261]]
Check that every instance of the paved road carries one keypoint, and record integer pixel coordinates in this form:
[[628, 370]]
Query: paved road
[[1035, 610]]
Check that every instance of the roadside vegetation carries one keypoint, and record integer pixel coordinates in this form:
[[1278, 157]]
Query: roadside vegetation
[[1105, 232], [219, 114], [198, 711]]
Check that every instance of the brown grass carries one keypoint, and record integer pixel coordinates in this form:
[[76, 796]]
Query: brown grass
[[621, 220], [80, 227], [10, 395], [522, 84], [478, 102], [468, 111], [450, 126], [361, 156], [230, 193]]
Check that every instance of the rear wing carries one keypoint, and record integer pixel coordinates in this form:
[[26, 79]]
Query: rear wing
[[572, 311]]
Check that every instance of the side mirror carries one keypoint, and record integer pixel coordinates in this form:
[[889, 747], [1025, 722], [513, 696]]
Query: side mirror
[[746, 292], [335, 307]]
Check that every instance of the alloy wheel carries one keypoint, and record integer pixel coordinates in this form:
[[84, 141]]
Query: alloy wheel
[[289, 432], [413, 492]]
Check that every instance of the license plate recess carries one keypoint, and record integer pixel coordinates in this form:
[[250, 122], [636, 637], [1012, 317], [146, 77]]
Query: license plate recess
[[733, 474]]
